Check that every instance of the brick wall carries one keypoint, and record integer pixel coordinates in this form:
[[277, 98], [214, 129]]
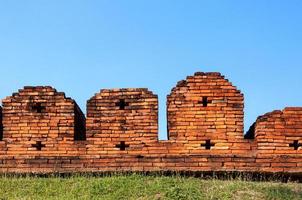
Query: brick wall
[[38, 122], [44, 131], [123, 114], [1, 126], [120, 121], [278, 139], [2, 143], [276, 132], [205, 108]]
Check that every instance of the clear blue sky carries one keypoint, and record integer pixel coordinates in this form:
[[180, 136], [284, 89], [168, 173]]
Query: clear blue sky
[[80, 47]]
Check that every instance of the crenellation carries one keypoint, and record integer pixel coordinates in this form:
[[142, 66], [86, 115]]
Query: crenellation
[[44, 131]]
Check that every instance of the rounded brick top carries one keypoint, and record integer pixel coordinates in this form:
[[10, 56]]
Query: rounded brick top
[[205, 106], [218, 81], [37, 91], [279, 113], [123, 91]]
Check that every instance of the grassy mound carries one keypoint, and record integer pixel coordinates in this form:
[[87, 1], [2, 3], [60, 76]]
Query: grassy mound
[[143, 187]]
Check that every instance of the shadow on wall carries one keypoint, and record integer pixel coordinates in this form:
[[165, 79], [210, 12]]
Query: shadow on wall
[[250, 134], [79, 123]]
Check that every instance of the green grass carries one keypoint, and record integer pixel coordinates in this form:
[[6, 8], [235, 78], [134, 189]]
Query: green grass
[[142, 187]]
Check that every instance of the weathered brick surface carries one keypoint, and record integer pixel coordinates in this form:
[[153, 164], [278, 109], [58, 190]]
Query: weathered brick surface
[[205, 111], [1, 126], [121, 121], [43, 131], [39, 121], [278, 139], [123, 114]]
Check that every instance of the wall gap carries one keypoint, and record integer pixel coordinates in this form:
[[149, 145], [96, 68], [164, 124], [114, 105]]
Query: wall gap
[[162, 119], [79, 124]]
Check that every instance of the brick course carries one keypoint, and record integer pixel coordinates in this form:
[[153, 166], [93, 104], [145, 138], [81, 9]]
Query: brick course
[[206, 107], [44, 131], [1, 126]]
